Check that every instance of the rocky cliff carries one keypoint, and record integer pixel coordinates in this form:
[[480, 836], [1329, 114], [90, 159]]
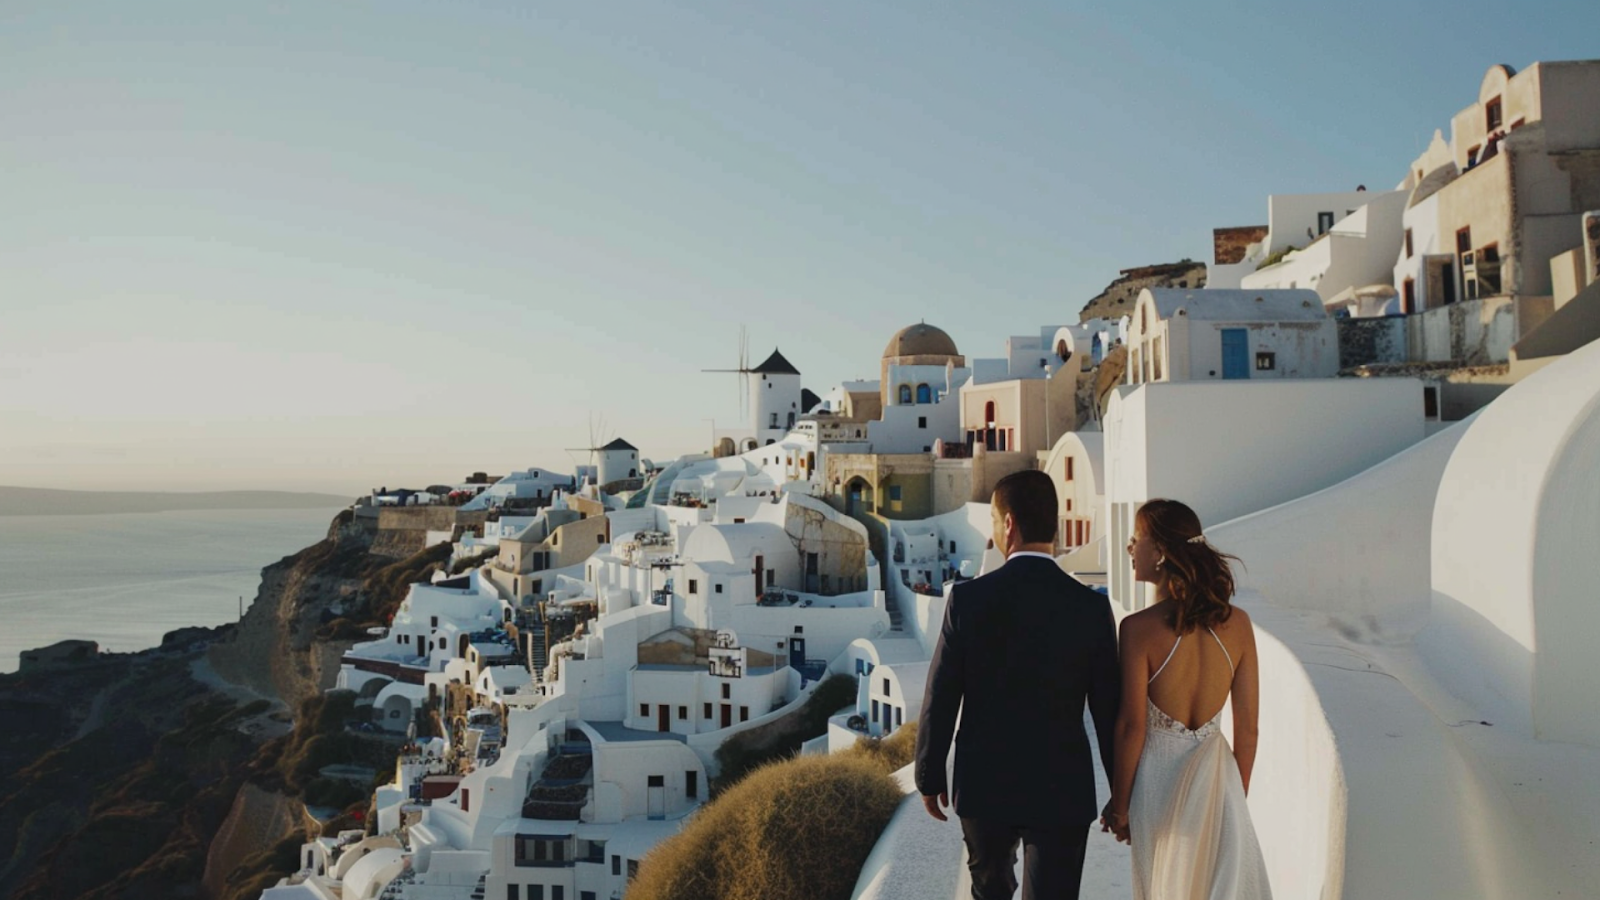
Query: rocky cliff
[[1118, 297], [182, 771]]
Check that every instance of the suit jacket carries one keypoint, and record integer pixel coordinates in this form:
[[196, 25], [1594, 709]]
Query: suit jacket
[[1021, 649]]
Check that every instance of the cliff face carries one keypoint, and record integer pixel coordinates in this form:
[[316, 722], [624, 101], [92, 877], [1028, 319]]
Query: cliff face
[[274, 650], [1118, 297], [117, 772], [174, 772]]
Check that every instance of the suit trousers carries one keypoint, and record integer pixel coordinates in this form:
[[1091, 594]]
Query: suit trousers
[[1052, 860]]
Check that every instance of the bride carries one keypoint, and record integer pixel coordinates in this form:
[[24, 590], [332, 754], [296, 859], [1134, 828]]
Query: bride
[[1178, 793]]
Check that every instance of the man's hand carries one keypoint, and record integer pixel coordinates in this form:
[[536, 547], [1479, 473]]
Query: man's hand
[[932, 804]]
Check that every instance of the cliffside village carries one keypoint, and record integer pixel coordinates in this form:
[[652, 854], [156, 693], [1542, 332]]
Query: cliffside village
[[565, 695]]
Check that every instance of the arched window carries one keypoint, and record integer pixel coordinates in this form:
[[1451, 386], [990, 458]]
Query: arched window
[[924, 395], [988, 413], [905, 394]]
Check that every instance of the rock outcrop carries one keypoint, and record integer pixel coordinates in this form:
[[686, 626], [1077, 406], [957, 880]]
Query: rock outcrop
[[1117, 299]]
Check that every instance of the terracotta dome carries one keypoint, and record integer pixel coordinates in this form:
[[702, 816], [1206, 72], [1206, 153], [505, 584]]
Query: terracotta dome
[[920, 339]]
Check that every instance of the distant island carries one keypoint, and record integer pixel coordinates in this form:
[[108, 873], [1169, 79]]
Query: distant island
[[22, 501]]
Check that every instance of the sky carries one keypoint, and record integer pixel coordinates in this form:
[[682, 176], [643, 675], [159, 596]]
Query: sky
[[328, 246]]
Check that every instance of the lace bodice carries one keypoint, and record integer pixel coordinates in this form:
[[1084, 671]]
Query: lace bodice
[[1156, 720]]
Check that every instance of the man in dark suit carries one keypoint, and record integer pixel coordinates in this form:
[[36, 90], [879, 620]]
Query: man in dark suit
[[1022, 648]]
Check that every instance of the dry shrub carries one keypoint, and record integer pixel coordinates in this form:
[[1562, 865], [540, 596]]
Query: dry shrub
[[889, 754], [794, 830]]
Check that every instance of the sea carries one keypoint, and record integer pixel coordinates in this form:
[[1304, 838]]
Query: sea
[[126, 579]]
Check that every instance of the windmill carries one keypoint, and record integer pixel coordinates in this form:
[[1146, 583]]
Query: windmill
[[743, 371], [597, 436]]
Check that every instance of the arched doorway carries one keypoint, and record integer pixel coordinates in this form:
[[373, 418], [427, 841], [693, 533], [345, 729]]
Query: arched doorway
[[859, 496]]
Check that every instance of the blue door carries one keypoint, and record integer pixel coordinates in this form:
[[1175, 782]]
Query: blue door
[[1235, 353]]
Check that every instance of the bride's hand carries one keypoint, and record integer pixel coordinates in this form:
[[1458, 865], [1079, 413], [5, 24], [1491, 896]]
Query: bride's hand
[[1117, 824]]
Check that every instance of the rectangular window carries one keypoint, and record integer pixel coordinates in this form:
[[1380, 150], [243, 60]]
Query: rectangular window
[[726, 693], [683, 712], [616, 864], [694, 586], [1324, 222], [717, 588], [644, 709], [586, 895], [535, 892], [1069, 504], [922, 421], [707, 710], [1408, 296], [1155, 358], [744, 713], [1408, 243], [874, 710], [513, 892], [1464, 240], [558, 892], [1493, 114], [657, 781], [1265, 362], [886, 691], [894, 493], [1068, 478], [953, 543], [691, 785], [466, 800]]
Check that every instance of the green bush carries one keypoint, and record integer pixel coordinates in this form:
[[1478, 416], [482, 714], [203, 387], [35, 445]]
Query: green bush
[[749, 750], [794, 830], [1275, 258], [468, 563]]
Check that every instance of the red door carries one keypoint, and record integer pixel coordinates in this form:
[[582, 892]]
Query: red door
[[727, 714], [663, 720]]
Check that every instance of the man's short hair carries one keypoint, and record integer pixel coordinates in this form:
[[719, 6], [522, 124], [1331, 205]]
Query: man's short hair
[[1030, 497]]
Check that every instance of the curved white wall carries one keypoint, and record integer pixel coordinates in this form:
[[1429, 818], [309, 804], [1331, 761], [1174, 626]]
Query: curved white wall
[[1516, 554], [1356, 549]]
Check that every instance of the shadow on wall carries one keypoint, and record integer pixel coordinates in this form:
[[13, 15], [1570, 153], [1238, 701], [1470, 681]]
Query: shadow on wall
[[1479, 662], [1297, 792], [1357, 551]]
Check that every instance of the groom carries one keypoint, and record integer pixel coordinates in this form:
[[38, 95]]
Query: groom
[[1020, 651]]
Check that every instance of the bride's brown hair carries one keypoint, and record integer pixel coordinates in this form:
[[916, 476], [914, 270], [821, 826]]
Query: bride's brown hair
[[1199, 580]]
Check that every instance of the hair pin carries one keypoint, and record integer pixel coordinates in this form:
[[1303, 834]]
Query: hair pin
[[1197, 539]]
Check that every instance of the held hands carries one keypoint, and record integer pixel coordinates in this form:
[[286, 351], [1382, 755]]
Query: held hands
[[1116, 823], [932, 802]]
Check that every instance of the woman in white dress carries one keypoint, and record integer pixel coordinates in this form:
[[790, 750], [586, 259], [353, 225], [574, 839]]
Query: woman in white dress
[[1178, 792]]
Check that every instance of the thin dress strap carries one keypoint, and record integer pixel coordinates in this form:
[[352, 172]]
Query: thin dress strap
[[1219, 644], [1167, 660]]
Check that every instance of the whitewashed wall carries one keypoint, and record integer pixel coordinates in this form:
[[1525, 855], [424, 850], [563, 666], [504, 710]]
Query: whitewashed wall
[[1515, 561], [1228, 449]]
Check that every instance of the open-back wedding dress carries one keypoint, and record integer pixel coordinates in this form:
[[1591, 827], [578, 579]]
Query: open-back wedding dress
[[1190, 824]]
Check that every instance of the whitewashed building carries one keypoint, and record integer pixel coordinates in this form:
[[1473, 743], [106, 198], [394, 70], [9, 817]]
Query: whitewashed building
[[1179, 335]]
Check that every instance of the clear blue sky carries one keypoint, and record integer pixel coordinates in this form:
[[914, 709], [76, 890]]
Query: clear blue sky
[[331, 245]]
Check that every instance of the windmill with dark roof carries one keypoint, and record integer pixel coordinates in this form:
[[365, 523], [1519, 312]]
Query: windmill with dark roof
[[612, 462], [771, 394]]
